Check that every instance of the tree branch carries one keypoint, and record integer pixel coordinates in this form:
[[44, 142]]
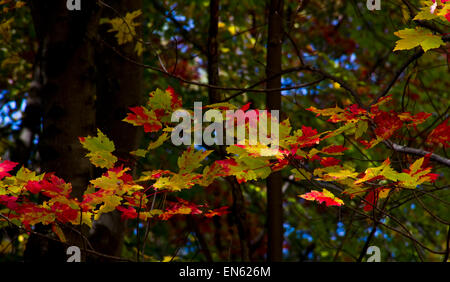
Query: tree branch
[[418, 152]]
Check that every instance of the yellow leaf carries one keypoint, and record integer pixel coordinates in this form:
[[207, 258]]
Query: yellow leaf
[[124, 27], [411, 38]]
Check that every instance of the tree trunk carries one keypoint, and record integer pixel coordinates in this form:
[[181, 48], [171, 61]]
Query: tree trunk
[[66, 87], [119, 86], [273, 100]]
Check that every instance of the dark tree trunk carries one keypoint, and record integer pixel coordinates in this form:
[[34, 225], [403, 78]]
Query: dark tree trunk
[[119, 86], [238, 208], [65, 78], [213, 51], [274, 181]]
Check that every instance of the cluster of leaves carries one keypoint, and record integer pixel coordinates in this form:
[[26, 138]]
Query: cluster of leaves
[[125, 29], [117, 190], [300, 150], [114, 190], [419, 36]]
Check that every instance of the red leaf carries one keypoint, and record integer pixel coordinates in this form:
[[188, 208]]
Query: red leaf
[[325, 196], [9, 202], [326, 162], [440, 135], [127, 213], [218, 212], [246, 107], [5, 167], [334, 149]]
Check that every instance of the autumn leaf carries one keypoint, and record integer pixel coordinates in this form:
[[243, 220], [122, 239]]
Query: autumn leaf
[[124, 27], [191, 159], [325, 196], [142, 116], [326, 162], [5, 167], [440, 135], [161, 139], [217, 212], [334, 150], [100, 149], [411, 38], [301, 174], [109, 204], [426, 13]]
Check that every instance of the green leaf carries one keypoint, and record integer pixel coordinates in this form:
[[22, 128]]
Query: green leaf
[[301, 174], [190, 160], [425, 14], [139, 153], [100, 149], [161, 139], [411, 38], [361, 128]]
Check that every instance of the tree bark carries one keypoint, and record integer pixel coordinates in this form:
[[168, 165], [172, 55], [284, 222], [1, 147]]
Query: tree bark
[[238, 208], [119, 87], [213, 51], [65, 76], [273, 100]]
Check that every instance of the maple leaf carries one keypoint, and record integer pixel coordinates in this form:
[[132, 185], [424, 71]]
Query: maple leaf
[[164, 103], [127, 213], [384, 170], [153, 145], [210, 173], [361, 128], [301, 174], [153, 175], [427, 12], [414, 120], [417, 174], [64, 213], [325, 196], [182, 207], [191, 159], [117, 181], [440, 135], [334, 150], [125, 27], [110, 204], [335, 173], [373, 196], [100, 149], [444, 10], [50, 186], [9, 201], [387, 124], [221, 106], [217, 212], [411, 38], [144, 117], [5, 167], [177, 182], [161, 139], [248, 166], [329, 162]]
